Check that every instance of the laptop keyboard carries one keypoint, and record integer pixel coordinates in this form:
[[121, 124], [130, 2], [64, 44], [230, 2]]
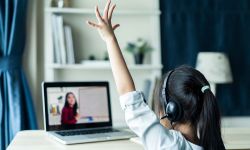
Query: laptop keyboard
[[83, 132]]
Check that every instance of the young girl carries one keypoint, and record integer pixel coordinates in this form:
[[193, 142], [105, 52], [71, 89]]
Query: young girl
[[69, 112], [186, 99]]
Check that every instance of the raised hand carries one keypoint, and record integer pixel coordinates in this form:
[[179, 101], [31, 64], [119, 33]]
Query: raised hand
[[123, 79], [104, 25]]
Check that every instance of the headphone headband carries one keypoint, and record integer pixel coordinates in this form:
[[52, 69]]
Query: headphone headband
[[173, 110], [165, 83]]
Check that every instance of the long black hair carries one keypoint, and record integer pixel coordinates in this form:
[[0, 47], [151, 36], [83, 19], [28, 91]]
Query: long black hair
[[66, 104], [200, 109]]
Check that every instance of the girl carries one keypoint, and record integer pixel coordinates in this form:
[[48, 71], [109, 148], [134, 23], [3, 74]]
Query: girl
[[187, 101], [69, 112]]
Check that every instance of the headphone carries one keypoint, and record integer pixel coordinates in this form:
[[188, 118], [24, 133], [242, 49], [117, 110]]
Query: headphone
[[172, 108]]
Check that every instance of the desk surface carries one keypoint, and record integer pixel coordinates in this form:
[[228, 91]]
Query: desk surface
[[234, 138], [39, 140]]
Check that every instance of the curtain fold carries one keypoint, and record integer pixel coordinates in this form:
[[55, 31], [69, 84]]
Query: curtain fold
[[16, 105], [191, 26]]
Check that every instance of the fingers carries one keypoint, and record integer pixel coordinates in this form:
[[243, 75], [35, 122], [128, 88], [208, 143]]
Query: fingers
[[93, 24], [111, 11], [97, 13], [115, 26], [106, 10]]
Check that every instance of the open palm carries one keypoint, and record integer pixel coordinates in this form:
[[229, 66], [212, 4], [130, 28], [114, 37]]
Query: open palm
[[104, 25]]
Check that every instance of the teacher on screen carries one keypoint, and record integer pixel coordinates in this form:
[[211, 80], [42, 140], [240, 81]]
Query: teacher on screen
[[69, 114]]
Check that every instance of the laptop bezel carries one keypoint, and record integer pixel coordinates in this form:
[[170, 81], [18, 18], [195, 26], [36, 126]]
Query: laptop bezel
[[48, 127]]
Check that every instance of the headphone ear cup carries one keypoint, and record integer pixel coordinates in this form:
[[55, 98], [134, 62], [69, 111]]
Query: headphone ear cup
[[173, 111]]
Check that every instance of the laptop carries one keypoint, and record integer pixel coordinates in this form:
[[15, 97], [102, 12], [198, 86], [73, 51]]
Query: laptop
[[79, 112]]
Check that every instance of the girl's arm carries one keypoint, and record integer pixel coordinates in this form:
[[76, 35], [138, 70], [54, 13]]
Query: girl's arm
[[123, 79], [154, 135]]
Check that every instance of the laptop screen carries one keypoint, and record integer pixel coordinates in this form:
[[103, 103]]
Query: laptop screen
[[75, 105]]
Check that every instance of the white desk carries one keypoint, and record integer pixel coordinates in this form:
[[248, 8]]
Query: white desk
[[234, 138], [39, 140]]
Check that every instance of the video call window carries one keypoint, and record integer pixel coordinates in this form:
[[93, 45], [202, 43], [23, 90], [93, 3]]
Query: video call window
[[74, 105]]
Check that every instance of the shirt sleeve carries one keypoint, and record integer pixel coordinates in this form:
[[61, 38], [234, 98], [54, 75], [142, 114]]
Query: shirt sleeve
[[143, 122]]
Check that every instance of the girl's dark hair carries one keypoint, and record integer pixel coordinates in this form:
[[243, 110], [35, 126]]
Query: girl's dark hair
[[66, 104], [200, 109]]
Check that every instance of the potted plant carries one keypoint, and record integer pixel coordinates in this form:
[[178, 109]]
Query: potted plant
[[138, 49]]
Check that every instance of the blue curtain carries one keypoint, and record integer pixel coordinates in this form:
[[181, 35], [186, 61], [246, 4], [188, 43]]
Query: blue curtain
[[16, 107], [190, 26]]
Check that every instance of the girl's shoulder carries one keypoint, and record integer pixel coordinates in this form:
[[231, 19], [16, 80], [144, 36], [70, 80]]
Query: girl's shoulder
[[185, 144]]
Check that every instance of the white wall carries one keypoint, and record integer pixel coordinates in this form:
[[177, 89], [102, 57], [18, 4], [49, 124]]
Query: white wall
[[235, 122], [30, 53], [33, 55]]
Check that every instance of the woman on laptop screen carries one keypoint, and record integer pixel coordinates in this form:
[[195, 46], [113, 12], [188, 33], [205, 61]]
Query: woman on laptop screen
[[69, 112]]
